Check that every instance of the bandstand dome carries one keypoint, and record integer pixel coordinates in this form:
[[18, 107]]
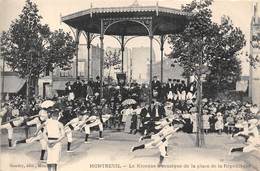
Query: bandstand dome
[[129, 21]]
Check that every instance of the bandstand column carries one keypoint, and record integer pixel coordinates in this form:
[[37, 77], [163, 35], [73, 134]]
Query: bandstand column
[[77, 52], [88, 47], [3, 80], [101, 57], [122, 51], [151, 68], [161, 48]]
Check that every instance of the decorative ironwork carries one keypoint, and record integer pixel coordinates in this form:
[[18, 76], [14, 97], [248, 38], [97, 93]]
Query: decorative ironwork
[[160, 40], [90, 37], [145, 21], [156, 9]]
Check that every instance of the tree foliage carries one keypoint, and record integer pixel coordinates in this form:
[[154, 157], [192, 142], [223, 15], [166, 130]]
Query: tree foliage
[[205, 43], [112, 61], [30, 48]]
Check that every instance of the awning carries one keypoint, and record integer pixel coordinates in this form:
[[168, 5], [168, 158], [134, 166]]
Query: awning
[[241, 85], [12, 83], [59, 85]]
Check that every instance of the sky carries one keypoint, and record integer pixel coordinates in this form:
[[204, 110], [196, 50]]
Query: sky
[[240, 12]]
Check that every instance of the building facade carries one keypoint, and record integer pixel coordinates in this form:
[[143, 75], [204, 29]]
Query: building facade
[[171, 70], [54, 83], [254, 81], [140, 64]]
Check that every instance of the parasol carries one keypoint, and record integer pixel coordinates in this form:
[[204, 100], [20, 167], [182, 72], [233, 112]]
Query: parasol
[[46, 104], [128, 102]]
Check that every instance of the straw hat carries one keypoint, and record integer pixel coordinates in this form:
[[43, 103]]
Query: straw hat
[[193, 109], [253, 121], [219, 114]]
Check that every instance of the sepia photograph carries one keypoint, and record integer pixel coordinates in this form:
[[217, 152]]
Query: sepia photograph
[[121, 85]]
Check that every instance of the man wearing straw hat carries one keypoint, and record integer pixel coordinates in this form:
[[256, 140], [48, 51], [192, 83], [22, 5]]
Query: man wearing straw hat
[[166, 128], [15, 121], [253, 139], [38, 121]]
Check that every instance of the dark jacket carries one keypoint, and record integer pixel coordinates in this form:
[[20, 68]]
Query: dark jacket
[[161, 113]]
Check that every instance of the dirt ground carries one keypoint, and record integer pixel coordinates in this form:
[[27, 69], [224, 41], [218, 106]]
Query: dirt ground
[[113, 153]]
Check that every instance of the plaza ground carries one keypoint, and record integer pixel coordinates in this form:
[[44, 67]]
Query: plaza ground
[[113, 153]]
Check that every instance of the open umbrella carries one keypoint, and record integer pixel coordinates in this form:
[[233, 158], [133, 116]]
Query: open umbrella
[[47, 104], [128, 102]]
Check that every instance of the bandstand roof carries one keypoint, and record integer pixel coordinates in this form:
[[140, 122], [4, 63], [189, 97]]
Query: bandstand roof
[[164, 20]]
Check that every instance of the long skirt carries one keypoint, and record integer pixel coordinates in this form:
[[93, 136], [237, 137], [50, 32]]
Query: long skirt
[[187, 126], [54, 154], [128, 123]]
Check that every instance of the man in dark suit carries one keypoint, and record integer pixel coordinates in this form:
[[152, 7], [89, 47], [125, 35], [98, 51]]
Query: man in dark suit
[[77, 88], [183, 86], [68, 88], [96, 85], [84, 89], [145, 119], [174, 83], [156, 87], [192, 87], [135, 92], [178, 86], [169, 85], [157, 110], [144, 112], [91, 82]]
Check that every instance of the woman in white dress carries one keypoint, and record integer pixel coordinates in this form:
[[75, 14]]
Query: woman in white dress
[[128, 116], [124, 114], [194, 121], [138, 111], [205, 119], [219, 125], [53, 133]]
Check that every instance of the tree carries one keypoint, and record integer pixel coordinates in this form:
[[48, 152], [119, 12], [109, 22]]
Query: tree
[[205, 47], [216, 44], [112, 61], [30, 48], [225, 68]]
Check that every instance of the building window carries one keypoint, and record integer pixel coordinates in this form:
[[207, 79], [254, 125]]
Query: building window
[[65, 73], [47, 72], [81, 66]]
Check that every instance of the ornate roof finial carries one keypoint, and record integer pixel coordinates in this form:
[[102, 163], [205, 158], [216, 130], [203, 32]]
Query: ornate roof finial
[[91, 6], [135, 4], [255, 9], [157, 10], [60, 18]]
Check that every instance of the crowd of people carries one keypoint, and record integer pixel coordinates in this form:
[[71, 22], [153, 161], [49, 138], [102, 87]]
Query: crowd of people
[[172, 89], [126, 108]]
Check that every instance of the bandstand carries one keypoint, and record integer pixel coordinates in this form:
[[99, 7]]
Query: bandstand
[[125, 23]]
